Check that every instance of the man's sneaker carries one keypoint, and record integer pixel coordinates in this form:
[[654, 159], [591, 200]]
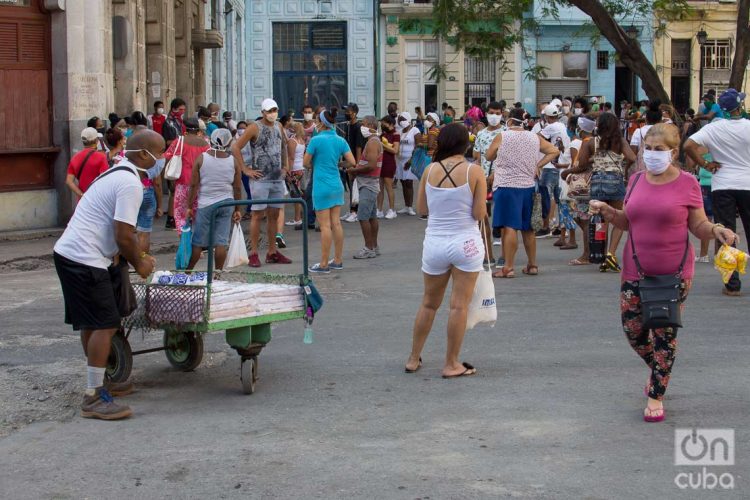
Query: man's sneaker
[[365, 253], [403, 211], [335, 267], [119, 389], [293, 223], [411, 212], [500, 262], [380, 214], [556, 232], [543, 233], [497, 243], [377, 251], [102, 405], [253, 260], [315, 268], [422, 217], [277, 258], [170, 224], [390, 214], [352, 217], [704, 259], [280, 242]]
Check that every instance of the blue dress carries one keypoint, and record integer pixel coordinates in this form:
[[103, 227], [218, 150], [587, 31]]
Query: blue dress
[[327, 148]]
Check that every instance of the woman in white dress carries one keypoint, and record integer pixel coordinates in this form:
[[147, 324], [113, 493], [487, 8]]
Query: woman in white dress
[[409, 135]]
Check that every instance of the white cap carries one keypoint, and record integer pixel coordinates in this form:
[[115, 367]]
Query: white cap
[[268, 105], [89, 134], [594, 100], [551, 110], [406, 116], [435, 118], [556, 102]]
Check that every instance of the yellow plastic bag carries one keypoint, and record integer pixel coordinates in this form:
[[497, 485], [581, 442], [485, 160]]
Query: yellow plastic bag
[[729, 260]]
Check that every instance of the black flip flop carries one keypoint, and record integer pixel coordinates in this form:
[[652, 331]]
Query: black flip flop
[[416, 369], [466, 373]]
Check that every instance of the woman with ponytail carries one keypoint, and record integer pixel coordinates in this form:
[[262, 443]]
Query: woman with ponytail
[[323, 155], [216, 178]]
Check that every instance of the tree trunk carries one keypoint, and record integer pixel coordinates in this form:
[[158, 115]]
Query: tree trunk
[[629, 50], [742, 50]]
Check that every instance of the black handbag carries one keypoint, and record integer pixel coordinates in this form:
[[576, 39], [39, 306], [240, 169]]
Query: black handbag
[[661, 294]]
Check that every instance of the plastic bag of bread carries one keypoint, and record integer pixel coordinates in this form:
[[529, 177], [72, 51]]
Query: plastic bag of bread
[[729, 260]]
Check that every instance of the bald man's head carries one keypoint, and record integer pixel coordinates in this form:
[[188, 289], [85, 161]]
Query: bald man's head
[[144, 147]]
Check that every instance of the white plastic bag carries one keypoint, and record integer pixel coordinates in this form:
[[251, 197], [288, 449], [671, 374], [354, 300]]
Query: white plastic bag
[[564, 190], [173, 170], [237, 254], [483, 307], [355, 192]]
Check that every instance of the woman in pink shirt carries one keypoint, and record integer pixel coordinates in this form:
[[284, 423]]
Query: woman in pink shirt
[[663, 204]]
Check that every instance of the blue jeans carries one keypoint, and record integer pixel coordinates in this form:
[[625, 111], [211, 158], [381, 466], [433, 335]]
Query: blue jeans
[[549, 187]]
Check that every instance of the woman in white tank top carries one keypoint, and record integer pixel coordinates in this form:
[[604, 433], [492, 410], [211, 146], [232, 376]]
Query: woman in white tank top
[[454, 194], [295, 148]]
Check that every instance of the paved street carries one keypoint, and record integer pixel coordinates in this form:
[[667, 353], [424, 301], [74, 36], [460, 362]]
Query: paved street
[[554, 411]]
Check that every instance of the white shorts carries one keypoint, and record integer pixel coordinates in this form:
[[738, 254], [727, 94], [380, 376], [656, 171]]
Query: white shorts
[[464, 252], [401, 174]]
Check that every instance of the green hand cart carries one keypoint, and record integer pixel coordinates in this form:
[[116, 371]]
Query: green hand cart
[[183, 312]]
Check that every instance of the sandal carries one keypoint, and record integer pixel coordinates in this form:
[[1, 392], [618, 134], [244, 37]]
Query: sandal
[[611, 262], [559, 243], [650, 415], [415, 370], [579, 262], [569, 246], [469, 371], [504, 273], [531, 270]]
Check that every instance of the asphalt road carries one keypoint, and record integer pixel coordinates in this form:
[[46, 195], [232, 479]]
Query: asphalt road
[[554, 411]]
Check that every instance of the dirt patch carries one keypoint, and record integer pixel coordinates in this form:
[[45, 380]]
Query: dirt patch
[[27, 264]]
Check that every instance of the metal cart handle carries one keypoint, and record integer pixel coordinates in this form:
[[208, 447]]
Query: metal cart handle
[[235, 203]]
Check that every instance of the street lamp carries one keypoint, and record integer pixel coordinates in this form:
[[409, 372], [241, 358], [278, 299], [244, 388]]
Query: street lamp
[[702, 37]]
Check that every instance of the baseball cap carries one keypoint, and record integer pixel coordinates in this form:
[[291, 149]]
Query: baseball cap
[[89, 134], [352, 106], [594, 100], [556, 102], [551, 110], [268, 105], [731, 99]]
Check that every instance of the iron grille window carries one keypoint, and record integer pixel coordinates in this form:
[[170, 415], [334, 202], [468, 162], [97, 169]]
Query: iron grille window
[[602, 59], [479, 70], [717, 54]]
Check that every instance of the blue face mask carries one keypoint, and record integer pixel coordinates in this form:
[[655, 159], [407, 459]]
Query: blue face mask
[[155, 171], [128, 132]]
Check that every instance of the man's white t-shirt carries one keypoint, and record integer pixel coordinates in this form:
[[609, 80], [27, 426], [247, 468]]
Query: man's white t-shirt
[[554, 132], [89, 238], [728, 141], [639, 135]]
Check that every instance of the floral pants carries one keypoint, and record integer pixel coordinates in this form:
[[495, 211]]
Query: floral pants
[[656, 347], [181, 198]]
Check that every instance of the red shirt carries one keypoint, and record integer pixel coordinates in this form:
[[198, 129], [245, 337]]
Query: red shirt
[[158, 122], [389, 159], [96, 164]]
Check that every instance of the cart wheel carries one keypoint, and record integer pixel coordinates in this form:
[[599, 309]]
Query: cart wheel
[[249, 374], [184, 350], [120, 361]]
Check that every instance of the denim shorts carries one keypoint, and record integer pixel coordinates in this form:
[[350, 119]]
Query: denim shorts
[[222, 226], [267, 190], [607, 186], [146, 213], [367, 205]]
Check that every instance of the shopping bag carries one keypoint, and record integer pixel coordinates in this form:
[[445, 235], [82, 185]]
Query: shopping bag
[[483, 308], [419, 162], [182, 259], [173, 170], [237, 254], [355, 192]]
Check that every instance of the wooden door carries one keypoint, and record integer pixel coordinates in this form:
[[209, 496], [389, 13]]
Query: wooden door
[[26, 151]]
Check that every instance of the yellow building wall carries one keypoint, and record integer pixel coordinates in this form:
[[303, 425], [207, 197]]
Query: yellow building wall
[[719, 20]]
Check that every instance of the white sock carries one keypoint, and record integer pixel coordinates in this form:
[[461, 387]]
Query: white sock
[[95, 377]]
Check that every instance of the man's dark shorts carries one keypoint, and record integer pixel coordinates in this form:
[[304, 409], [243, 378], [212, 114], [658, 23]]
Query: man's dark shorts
[[89, 294]]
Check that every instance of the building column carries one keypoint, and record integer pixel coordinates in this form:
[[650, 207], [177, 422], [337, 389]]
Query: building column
[[160, 47], [129, 40]]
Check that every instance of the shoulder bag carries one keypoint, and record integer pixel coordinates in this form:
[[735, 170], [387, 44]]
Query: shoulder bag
[[660, 293], [579, 184], [173, 170], [83, 164]]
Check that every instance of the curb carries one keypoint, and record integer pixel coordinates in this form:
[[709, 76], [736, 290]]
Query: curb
[[31, 234]]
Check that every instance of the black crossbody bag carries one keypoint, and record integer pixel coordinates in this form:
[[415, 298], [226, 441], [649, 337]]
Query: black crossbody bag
[[661, 293]]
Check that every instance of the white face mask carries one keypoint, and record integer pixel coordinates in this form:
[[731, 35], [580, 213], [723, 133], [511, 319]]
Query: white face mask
[[156, 160], [403, 124], [657, 162], [240, 131], [271, 117], [160, 111], [494, 120], [578, 111], [427, 124], [366, 132], [308, 117], [566, 110]]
